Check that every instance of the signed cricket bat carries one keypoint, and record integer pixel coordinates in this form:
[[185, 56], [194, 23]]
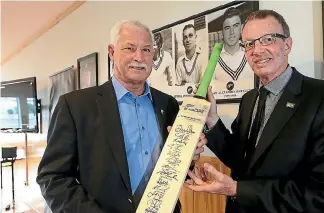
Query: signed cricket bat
[[162, 191]]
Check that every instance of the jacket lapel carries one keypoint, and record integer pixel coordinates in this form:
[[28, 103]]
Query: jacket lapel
[[244, 123], [108, 108], [247, 114], [285, 108]]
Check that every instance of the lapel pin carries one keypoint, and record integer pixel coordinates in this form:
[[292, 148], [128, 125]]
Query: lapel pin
[[290, 105], [162, 111]]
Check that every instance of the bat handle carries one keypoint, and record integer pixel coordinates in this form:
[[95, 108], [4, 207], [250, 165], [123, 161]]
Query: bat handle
[[209, 71]]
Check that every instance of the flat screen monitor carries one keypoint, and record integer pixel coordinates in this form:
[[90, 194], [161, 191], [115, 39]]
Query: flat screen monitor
[[18, 111]]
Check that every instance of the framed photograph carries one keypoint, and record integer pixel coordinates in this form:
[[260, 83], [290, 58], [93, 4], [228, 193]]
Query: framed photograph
[[110, 67], [182, 51], [233, 75], [163, 63], [61, 82], [88, 71]]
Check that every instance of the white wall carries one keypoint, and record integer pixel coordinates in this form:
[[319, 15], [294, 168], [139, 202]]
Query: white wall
[[305, 21], [86, 30]]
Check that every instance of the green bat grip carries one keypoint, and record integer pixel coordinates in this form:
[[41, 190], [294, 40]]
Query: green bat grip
[[209, 72]]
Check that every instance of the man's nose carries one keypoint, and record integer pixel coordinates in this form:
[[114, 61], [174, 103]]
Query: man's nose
[[138, 55], [231, 30], [258, 48]]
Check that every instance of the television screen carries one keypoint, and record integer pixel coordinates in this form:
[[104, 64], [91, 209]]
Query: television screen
[[18, 101]]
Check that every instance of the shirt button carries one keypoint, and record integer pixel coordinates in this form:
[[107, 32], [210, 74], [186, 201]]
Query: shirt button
[[146, 152], [143, 128]]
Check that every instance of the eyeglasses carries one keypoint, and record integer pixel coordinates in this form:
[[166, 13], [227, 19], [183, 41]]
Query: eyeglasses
[[264, 40]]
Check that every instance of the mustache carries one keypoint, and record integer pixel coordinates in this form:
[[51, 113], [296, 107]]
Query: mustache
[[138, 65]]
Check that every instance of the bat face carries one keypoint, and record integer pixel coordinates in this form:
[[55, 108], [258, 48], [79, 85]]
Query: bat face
[[165, 184]]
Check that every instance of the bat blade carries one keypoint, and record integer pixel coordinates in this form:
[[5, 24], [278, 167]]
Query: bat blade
[[165, 184]]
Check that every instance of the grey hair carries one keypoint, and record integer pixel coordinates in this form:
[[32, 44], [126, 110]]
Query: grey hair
[[115, 31], [263, 14]]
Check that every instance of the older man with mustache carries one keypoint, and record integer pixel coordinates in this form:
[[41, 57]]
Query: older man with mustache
[[103, 142]]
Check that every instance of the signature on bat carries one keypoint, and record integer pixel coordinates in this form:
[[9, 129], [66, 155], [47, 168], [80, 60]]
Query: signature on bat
[[193, 108]]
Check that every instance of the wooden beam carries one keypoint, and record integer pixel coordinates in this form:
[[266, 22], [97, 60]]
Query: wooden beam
[[43, 30]]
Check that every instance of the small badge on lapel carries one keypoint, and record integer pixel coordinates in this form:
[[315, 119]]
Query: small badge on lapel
[[162, 111], [290, 105]]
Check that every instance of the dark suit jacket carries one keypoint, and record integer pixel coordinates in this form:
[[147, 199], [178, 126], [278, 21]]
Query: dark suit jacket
[[286, 173], [84, 167]]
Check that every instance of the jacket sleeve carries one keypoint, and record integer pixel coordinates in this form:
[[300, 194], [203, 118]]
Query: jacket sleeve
[[298, 193], [58, 169], [223, 143]]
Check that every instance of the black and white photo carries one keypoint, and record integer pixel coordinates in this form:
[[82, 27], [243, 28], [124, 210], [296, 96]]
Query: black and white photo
[[162, 75], [110, 67], [191, 56], [191, 51], [182, 50], [233, 75], [88, 71]]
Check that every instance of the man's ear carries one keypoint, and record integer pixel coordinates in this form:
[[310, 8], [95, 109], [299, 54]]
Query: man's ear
[[288, 45], [111, 51]]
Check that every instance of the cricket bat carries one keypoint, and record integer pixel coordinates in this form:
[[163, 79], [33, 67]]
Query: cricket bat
[[164, 186]]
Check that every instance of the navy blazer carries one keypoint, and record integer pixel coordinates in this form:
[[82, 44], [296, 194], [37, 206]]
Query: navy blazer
[[286, 173]]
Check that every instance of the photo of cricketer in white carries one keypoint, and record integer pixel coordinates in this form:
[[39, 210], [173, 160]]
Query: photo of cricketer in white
[[162, 69], [189, 65], [233, 76]]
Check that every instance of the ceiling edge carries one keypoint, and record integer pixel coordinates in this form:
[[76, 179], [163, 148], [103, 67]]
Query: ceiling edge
[[43, 30]]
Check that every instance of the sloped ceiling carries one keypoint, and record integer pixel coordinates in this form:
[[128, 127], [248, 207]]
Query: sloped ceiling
[[22, 22]]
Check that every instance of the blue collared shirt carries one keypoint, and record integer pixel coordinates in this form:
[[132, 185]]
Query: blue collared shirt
[[140, 129]]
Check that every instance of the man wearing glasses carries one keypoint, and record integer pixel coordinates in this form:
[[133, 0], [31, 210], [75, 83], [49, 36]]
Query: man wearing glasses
[[232, 72], [276, 148]]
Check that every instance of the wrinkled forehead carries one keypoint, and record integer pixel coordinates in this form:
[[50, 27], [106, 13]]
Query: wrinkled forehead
[[135, 35], [259, 27]]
